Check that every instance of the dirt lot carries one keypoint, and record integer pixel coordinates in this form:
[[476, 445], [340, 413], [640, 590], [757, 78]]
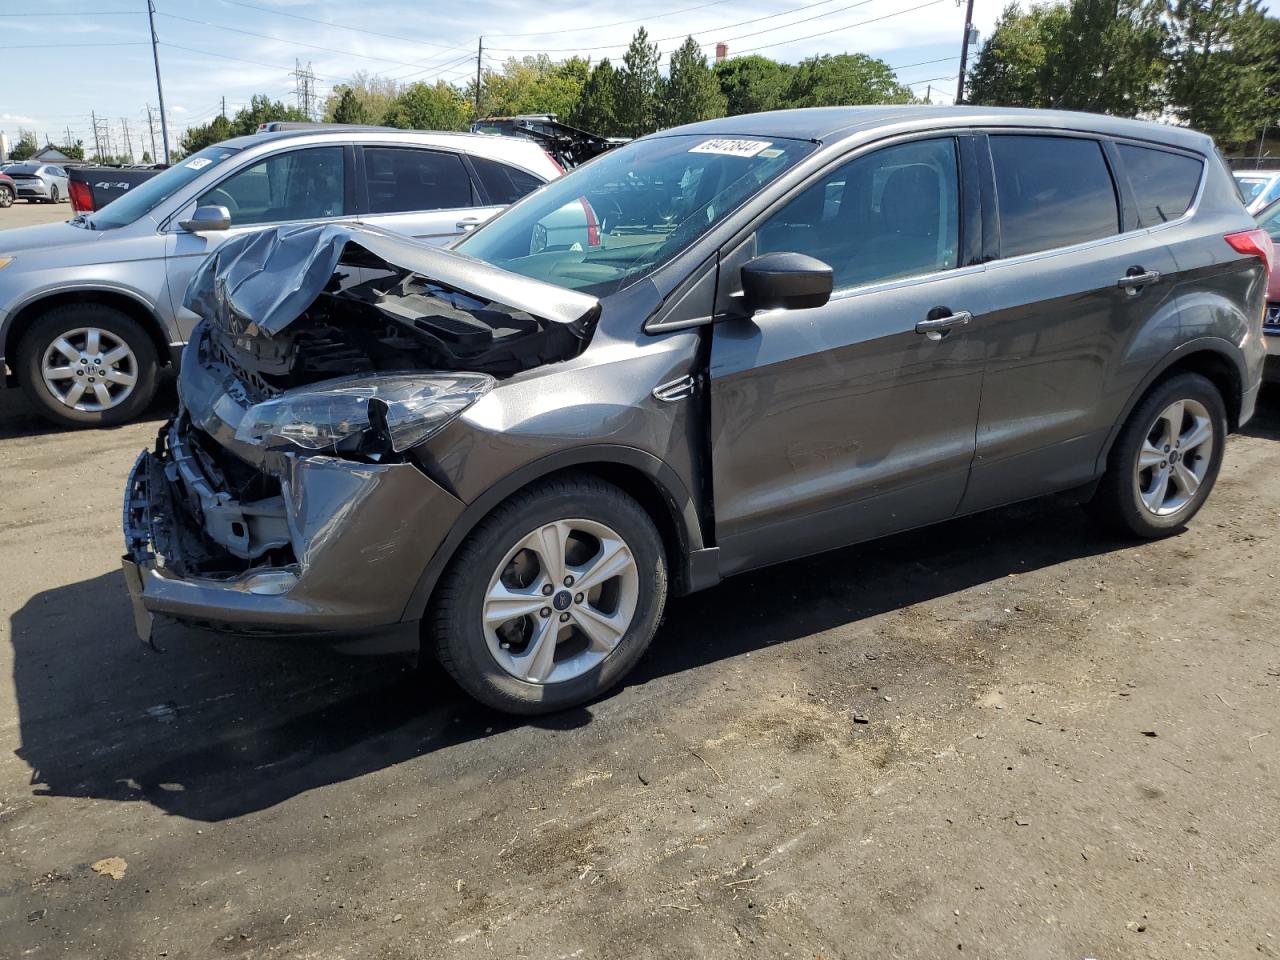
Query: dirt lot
[[23, 214], [1072, 752]]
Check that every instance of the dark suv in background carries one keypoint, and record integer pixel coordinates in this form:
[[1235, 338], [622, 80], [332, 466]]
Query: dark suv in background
[[717, 348]]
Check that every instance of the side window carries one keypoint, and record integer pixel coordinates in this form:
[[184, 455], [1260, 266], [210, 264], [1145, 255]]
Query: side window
[[1164, 183], [298, 185], [889, 214], [1052, 192], [502, 183], [404, 179]]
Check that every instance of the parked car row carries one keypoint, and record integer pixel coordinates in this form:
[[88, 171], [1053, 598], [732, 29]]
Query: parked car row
[[46, 182], [92, 309], [713, 349]]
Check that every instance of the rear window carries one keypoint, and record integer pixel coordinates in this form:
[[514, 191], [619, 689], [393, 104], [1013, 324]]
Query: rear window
[[1052, 192], [502, 183], [1164, 183]]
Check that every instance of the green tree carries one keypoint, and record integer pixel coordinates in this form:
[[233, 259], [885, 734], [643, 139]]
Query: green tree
[[422, 106], [753, 83], [26, 147], [531, 85], [1106, 56], [73, 150], [146, 157], [691, 91], [1222, 63], [636, 101], [374, 93], [844, 79], [597, 108], [207, 134], [349, 108], [262, 109]]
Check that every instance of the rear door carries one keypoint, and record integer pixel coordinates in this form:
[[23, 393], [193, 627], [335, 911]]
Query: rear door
[[423, 193], [1074, 276], [854, 419]]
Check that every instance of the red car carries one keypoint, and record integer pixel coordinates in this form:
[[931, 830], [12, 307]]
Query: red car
[[8, 190], [1268, 218]]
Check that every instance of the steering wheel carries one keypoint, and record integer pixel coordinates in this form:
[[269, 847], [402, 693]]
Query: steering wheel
[[217, 197]]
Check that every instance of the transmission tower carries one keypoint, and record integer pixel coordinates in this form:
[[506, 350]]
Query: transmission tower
[[128, 143], [304, 85]]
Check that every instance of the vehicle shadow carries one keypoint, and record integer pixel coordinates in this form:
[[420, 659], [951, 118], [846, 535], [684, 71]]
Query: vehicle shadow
[[1266, 418], [18, 416], [216, 727]]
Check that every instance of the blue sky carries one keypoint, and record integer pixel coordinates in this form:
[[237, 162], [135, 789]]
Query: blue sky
[[94, 55]]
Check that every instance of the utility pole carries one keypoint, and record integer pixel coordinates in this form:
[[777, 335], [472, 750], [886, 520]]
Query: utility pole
[[964, 51], [224, 108], [928, 94], [479, 62], [128, 143], [71, 142], [97, 144], [155, 55], [151, 125]]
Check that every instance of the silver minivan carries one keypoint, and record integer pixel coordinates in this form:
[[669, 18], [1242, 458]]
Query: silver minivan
[[91, 309]]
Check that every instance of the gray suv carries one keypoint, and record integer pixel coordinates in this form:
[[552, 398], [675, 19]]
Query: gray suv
[[91, 309], [720, 347]]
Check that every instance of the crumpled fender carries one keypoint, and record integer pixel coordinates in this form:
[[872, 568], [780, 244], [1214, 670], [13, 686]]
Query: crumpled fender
[[258, 283]]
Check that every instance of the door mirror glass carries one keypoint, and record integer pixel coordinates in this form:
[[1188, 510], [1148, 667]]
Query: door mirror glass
[[792, 281], [207, 218]]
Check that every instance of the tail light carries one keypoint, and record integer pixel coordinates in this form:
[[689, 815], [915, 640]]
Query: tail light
[[1254, 243], [81, 197], [593, 226]]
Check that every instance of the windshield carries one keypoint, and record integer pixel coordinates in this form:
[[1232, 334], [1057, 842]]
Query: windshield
[[1250, 187], [143, 198], [629, 211]]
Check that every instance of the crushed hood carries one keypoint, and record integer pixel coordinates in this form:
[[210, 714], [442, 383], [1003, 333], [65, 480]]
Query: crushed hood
[[258, 283]]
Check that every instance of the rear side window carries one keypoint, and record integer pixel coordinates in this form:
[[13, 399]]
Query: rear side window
[[1052, 192], [1164, 183], [502, 183], [403, 180]]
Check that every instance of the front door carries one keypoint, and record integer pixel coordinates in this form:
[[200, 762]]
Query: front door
[[294, 186], [855, 419], [424, 194]]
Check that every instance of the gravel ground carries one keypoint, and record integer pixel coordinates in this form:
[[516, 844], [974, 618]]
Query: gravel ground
[[1070, 751], [24, 214]]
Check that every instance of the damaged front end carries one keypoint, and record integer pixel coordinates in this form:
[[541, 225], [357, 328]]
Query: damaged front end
[[291, 492]]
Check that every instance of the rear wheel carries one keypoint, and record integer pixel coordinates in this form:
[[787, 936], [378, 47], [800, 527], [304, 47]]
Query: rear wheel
[[53, 193], [1166, 459], [88, 364], [552, 599]]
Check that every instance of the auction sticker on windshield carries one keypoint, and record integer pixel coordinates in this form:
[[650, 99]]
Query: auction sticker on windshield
[[731, 148]]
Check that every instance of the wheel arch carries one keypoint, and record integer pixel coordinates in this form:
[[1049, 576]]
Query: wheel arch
[[1215, 359], [130, 304], [647, 479]]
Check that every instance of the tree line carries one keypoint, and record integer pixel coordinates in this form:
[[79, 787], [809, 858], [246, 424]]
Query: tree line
[[627, 99], [1211, 64]]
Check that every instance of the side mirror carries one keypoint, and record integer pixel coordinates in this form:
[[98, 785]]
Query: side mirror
[[207, 218], [792, 281]]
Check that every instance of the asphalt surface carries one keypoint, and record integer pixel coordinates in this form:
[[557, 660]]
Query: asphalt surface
[[1070, 750]]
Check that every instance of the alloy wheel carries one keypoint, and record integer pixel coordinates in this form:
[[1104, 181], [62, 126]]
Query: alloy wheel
[[560, 601], [1174, 458], [89, 369]]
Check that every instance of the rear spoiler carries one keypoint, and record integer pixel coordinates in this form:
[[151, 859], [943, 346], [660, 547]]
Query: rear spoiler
[[259, 283]]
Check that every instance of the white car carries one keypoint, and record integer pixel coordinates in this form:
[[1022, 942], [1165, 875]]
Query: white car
[[39, 181], [1258, 188]]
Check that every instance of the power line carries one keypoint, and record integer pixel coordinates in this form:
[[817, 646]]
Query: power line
[[62, 46], [717, 29], [860, 23], [340, 26], [616, 23], [78, 13]]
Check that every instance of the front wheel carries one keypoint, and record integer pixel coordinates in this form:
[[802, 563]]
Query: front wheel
[[552, 599], [88, 365], [6, 197], [1166, 459], [53, 194]]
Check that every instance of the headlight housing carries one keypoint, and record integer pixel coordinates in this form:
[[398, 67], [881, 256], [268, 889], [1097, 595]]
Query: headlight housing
[[368, 415], [5, 261]]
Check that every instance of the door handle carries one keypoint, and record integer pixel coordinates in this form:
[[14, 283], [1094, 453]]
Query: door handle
[[470, 223], [936, 327], [1137, 277]]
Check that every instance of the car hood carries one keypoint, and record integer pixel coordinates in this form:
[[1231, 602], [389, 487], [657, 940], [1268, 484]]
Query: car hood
[[46, 236], [259, 283]]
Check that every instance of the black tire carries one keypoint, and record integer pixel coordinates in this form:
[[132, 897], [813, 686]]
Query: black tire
[[58, 321], [6, 196], [453, 631], [53, 193], [1117, 502]]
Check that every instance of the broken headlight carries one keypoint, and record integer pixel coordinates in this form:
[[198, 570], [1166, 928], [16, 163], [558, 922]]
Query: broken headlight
[[366, 415]]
